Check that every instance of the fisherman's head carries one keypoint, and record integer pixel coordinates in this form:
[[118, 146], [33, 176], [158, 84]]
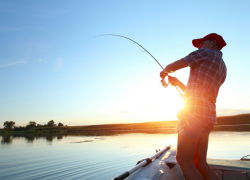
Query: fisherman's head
[[211, 41]]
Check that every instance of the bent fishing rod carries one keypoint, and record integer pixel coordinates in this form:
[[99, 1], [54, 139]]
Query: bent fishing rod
[[162, 81]]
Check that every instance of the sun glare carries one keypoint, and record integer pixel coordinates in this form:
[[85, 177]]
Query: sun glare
[[149, 101]]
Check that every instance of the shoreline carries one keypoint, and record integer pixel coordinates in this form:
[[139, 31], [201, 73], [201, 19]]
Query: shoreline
[[239, 122]]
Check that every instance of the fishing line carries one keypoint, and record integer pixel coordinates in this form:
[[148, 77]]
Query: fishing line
[[162, 81], [134, 42]]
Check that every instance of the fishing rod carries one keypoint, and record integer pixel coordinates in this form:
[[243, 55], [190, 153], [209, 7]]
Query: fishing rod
[[162, 81]]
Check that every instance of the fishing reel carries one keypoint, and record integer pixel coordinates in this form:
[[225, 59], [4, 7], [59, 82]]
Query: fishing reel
[[164, 84]]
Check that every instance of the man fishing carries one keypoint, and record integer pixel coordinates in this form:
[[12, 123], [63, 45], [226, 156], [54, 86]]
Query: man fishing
[[197, 118]]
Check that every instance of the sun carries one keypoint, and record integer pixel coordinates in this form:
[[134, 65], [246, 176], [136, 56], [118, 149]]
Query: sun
[[149, 101]]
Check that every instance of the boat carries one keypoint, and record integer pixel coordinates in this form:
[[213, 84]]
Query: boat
[[163, 166]]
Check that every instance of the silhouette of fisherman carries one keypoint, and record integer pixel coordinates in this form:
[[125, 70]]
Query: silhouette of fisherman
[[197, 118]]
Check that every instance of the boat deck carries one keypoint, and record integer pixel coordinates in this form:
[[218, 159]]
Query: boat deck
[[165, 167], [233, 165], [226, 169]]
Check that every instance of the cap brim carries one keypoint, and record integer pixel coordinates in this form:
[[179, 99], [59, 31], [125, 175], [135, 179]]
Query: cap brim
[[197, 42]]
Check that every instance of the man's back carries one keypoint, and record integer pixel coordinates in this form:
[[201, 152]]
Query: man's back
[[207, 74]]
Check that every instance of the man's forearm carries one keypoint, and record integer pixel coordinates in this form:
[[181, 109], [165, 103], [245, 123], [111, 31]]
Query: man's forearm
[[175, 66]]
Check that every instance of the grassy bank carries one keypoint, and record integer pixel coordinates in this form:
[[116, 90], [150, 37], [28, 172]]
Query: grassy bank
[[227, 123]]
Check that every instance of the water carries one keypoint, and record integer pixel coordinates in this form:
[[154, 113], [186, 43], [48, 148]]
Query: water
[[99, 156]]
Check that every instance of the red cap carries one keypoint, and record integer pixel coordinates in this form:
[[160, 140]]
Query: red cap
[[212, 36]]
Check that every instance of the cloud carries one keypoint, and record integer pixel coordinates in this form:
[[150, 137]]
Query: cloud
[[6, 63], [39, 10], [8, 29], [11, 63]]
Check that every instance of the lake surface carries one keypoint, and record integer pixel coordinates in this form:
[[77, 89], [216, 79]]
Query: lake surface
[[98, 156]]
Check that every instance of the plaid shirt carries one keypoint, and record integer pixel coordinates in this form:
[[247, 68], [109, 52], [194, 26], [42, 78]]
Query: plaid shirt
[[207, 74]]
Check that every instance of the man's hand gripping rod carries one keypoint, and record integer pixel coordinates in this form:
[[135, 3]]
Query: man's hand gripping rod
[[165, 85]]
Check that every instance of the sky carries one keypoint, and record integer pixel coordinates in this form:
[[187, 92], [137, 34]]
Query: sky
[[53, 67]]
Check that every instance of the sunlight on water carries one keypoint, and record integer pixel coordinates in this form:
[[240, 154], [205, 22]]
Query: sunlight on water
[[98, 157]]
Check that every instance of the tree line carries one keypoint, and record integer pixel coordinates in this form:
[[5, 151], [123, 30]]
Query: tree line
[[9, 125]]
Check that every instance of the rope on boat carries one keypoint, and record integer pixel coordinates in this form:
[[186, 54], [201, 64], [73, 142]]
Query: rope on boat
[[245, 159], [141, 164]]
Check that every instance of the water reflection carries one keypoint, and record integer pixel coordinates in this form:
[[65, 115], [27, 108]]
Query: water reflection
[[91, 155], [30, 138], [59, 137], [6, 139], [49, 138]]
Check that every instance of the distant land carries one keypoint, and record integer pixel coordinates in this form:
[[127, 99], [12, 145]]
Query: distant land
[[236, 122], [239, 122]]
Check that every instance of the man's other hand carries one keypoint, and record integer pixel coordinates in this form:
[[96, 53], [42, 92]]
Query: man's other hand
[[173, 81]]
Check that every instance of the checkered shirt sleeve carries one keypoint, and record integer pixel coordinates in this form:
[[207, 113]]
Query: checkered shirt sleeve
[[196, 57]]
